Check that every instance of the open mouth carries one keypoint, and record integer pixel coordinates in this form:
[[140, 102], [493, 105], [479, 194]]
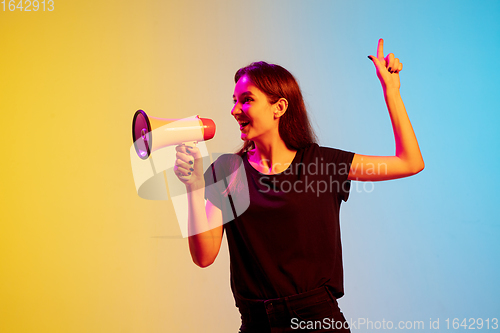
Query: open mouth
[[243, 124]]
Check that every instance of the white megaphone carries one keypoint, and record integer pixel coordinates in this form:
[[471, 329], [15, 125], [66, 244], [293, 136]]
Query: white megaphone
[[168, 132], [185, 131]]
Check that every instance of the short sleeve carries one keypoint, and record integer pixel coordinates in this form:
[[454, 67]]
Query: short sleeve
[[214, 188], [338, 164], [226, 186]]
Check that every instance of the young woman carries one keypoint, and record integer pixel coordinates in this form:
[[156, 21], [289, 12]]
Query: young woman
[[285, 250]]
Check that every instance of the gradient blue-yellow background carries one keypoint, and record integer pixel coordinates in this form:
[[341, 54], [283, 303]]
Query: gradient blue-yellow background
[[81, 252]]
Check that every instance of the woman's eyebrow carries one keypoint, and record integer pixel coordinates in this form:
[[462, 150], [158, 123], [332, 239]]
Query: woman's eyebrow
[[246, 93]]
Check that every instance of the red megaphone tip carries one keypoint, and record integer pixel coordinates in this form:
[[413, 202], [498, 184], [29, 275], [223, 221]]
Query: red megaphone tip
[[208, 128]]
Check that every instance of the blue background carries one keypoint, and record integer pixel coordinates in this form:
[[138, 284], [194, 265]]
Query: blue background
[[426, 246]]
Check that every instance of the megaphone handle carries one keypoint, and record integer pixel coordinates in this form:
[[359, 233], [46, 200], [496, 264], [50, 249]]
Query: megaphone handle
[[189, 144]]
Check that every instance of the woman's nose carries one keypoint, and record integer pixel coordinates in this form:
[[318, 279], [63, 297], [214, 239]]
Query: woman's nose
[[235, 109]]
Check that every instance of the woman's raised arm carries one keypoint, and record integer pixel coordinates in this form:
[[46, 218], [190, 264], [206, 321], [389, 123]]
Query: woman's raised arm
[[408, 159]]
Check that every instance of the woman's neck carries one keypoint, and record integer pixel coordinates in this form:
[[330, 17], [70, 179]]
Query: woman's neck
[[271, 158]]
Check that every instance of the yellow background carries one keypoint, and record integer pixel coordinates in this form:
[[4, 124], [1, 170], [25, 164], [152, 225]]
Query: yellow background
[[80, 251]]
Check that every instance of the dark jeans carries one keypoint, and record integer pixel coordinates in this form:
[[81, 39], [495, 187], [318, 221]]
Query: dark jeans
[[314, 311]]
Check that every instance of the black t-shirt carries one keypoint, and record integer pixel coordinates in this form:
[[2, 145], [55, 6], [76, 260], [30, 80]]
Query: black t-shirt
[[287, 239]]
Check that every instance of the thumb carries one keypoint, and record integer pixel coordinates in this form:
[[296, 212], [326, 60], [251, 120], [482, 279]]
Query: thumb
[[381, 69], [376, 62]]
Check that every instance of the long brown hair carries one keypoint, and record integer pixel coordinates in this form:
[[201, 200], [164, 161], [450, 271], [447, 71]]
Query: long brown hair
[[276, 82]]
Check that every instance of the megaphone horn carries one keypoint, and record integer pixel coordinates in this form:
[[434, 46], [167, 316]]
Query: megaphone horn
[[179, 131]]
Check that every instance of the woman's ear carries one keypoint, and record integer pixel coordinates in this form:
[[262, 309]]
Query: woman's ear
[[280, 107]]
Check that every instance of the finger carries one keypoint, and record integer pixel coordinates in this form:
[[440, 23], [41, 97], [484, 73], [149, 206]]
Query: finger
[[400, 67], [181, 148], [184, 158], [395, 66], [380, 49], [181, 172], [193, 151], [390, 61], [380, 65], [185, 161], [186, 169]]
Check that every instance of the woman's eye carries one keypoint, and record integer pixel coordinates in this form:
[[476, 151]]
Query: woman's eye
[[245, 100]]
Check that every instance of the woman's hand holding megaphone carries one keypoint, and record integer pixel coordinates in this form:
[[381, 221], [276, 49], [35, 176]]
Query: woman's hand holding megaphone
[[189, 166]]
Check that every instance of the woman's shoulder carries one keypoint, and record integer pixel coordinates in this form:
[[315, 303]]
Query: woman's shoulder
[[225, 158], [225, 164], [328, 154]]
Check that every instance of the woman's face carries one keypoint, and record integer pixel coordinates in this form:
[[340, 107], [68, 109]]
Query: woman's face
[[254, 113]]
